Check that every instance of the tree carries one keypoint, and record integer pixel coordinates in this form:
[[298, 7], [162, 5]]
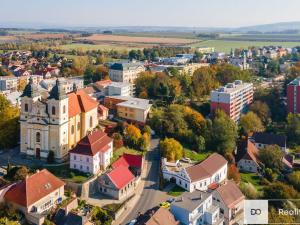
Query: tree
[[100, 216], [80, 63], [234, 174], [270, 175], [279, 190], [224, 133], [250, 191], [144, 142], [118, 140], [227, 73], [294, 179], [262, 110], [271, 157], [251, 123], [276, 218], [132, 136], [9, 123], [17, 173], [88, 75], [171, 149], [293, 128], [203, 81], [50, 157]]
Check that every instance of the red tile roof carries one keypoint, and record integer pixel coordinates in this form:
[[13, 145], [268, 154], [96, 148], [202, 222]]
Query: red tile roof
[[93, 143], [129, 160], [230, 194], [80, 102], [33, 188], [120, 176], [206, 168]]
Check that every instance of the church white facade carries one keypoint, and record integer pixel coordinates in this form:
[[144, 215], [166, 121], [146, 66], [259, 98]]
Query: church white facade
[[57, 123]]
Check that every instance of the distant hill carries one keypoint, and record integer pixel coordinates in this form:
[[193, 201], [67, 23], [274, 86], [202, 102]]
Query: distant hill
[[275, 27]]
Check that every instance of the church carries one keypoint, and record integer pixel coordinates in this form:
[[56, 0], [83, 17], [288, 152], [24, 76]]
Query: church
[[56, 123]]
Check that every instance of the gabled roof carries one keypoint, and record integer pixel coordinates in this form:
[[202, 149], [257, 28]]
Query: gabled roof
[[93, 143], [206, 168], [269, 139], [120, 176], [129, 160], [158, 216], [230, 193], [33, 188], [80, 102], [247, 150]]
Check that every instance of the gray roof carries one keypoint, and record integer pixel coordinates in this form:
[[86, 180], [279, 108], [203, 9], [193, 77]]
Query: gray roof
[[30, 90], [125, 65], [191, 200], [58, 92]]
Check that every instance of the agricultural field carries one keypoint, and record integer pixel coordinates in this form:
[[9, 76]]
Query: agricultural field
[[139, 41], [7, 39], [89, 47], [226, 46], [41, 36]]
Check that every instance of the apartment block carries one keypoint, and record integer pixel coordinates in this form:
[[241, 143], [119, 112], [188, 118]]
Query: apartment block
[[234, 99], [293, 96]]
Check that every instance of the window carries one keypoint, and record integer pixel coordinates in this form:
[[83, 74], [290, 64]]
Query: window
[[26, 107], [88, 168], [53, 110], [91, 121], [72, 129], [87, 159], [74, 157], [38, 137], [78, 126], [64, 109]]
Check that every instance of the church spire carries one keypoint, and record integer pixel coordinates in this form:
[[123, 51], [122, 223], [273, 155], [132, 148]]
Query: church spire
[[58, 92], [30, 89]]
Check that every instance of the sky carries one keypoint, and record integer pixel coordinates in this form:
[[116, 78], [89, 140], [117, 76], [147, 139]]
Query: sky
[[187, 13]]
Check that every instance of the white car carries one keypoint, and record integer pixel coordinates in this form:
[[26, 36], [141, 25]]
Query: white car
[[132, 222]]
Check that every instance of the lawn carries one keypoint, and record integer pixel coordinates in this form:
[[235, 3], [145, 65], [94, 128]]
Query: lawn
[[251, 178], [176, 191], [196, 156], [226, 46], [64, 172], [120, 151]]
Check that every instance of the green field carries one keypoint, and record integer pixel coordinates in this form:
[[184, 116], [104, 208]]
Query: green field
[[89, 47], [196, 156], [226, 46]]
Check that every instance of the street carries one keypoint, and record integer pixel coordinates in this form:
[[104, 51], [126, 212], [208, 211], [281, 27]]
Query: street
[[151, 195]]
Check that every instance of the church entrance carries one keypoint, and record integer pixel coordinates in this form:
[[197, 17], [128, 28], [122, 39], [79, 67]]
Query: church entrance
[[38, 153]]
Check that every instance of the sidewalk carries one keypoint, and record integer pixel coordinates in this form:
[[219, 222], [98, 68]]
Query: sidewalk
[[129, 205]]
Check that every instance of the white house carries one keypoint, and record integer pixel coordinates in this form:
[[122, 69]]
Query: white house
[[92, 153], [196, 208], [247, 157], [197, 177], [125, 71], [230, 199]]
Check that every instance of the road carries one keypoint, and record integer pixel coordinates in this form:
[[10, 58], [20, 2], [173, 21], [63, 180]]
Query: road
[[151, 195]]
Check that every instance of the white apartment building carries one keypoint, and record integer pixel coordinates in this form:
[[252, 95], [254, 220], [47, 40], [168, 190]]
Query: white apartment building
[[196, 208], [125, 71]]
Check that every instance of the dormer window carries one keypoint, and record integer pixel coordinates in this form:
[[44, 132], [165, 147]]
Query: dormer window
[[26, 107], [53, 110]]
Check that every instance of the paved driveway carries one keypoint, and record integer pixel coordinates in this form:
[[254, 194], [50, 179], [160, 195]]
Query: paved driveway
[[151, 196]]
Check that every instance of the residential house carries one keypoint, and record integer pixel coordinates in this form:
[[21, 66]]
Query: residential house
[[157, 216], [247, 157], [129, 108], [263, 139], [230, 199], [118, 183], [197, 207], [8, 83], [133, 162], [102, 112], [92, 153], [125, 71], [199, 176], [36, 195]]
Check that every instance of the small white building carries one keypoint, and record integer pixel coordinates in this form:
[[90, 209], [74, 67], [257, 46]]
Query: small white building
[[92, 153], [247, 157], [121, 89], [196, 208], [197, 177]]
